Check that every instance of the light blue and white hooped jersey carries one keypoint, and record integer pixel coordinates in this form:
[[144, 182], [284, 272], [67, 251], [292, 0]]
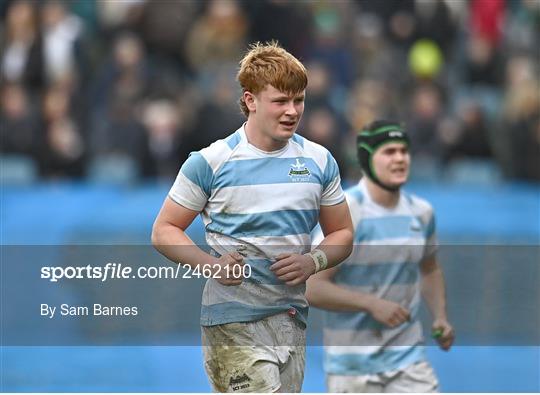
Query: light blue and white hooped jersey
[[389, 245], [264, 204]]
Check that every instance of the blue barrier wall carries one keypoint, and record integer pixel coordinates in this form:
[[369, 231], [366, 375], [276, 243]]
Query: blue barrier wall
[[83, 213]]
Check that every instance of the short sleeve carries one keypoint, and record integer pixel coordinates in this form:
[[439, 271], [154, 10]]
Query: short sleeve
[[193, 184], [332, 191]]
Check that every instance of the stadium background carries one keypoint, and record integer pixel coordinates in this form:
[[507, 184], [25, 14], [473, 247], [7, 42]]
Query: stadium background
[[101, 101]]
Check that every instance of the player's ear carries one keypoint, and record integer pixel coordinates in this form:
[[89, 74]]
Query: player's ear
[[250, 100]]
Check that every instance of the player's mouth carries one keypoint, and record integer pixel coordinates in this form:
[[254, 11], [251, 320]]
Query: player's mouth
[[399, 171], [288, 124]]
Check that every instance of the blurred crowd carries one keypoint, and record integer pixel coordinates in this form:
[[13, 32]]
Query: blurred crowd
[[125, 90]]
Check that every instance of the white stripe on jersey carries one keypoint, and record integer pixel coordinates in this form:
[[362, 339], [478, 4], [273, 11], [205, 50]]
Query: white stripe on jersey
[[247, 199]]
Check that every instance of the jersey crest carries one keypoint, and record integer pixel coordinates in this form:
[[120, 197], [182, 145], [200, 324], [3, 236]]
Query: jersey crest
[[299, 172]]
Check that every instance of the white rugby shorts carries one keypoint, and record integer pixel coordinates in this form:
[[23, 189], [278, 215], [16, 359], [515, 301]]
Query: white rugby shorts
[[259, 356], [418, 377]]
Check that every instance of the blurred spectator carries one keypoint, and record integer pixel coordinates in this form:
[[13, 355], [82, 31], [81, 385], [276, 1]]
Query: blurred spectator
[[523, 26], [375, 57], [21, 49], [18, 120], [324, 118], [321, 90], [331, 33], [164, 27], [120, 134], [319, 84], [519, 135], [322, 126], [482, 67], [88, 12], [219, 115], [62, 48], [405, 21], [433, 20], [368, 99], [423, 119], [287, 21], [470, 137], [483, 64], [218, 37], [487, 20], [125, 80], [117, 16], [165, 126], [127, 73], [393, 16], [62, 154]]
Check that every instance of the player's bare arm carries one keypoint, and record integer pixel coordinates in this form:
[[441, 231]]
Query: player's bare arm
[[337, 226], [433, 292], [170, 239], [323, 293]]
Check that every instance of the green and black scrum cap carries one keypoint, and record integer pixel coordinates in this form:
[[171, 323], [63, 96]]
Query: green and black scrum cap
[[374, 136]]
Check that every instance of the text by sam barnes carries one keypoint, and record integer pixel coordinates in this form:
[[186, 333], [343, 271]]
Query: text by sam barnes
[[66, 310]]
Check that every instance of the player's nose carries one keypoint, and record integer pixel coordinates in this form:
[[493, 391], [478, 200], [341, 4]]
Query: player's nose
[[400, 156], [291, 109]]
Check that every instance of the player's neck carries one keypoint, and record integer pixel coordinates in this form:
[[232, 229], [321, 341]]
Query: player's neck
[[381, 196], [260, 141]]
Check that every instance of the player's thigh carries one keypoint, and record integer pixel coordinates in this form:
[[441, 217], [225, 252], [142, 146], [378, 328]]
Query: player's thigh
[[419, 377], [290, 340], [234, 364], [241, 369], [352, 384], [292, 372]]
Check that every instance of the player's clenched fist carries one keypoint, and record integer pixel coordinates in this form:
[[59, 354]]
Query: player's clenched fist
[[230, 269], [294, 269], [388, 313], [443, 333]]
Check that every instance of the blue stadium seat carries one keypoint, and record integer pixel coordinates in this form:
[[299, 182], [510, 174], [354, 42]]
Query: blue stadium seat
[[113, 169], [17, 169], [473, 172], [424, 169]]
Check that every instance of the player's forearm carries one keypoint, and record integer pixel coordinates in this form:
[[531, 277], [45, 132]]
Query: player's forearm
[[433, 291], [173, 243], [337, 246], [325, 294]]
